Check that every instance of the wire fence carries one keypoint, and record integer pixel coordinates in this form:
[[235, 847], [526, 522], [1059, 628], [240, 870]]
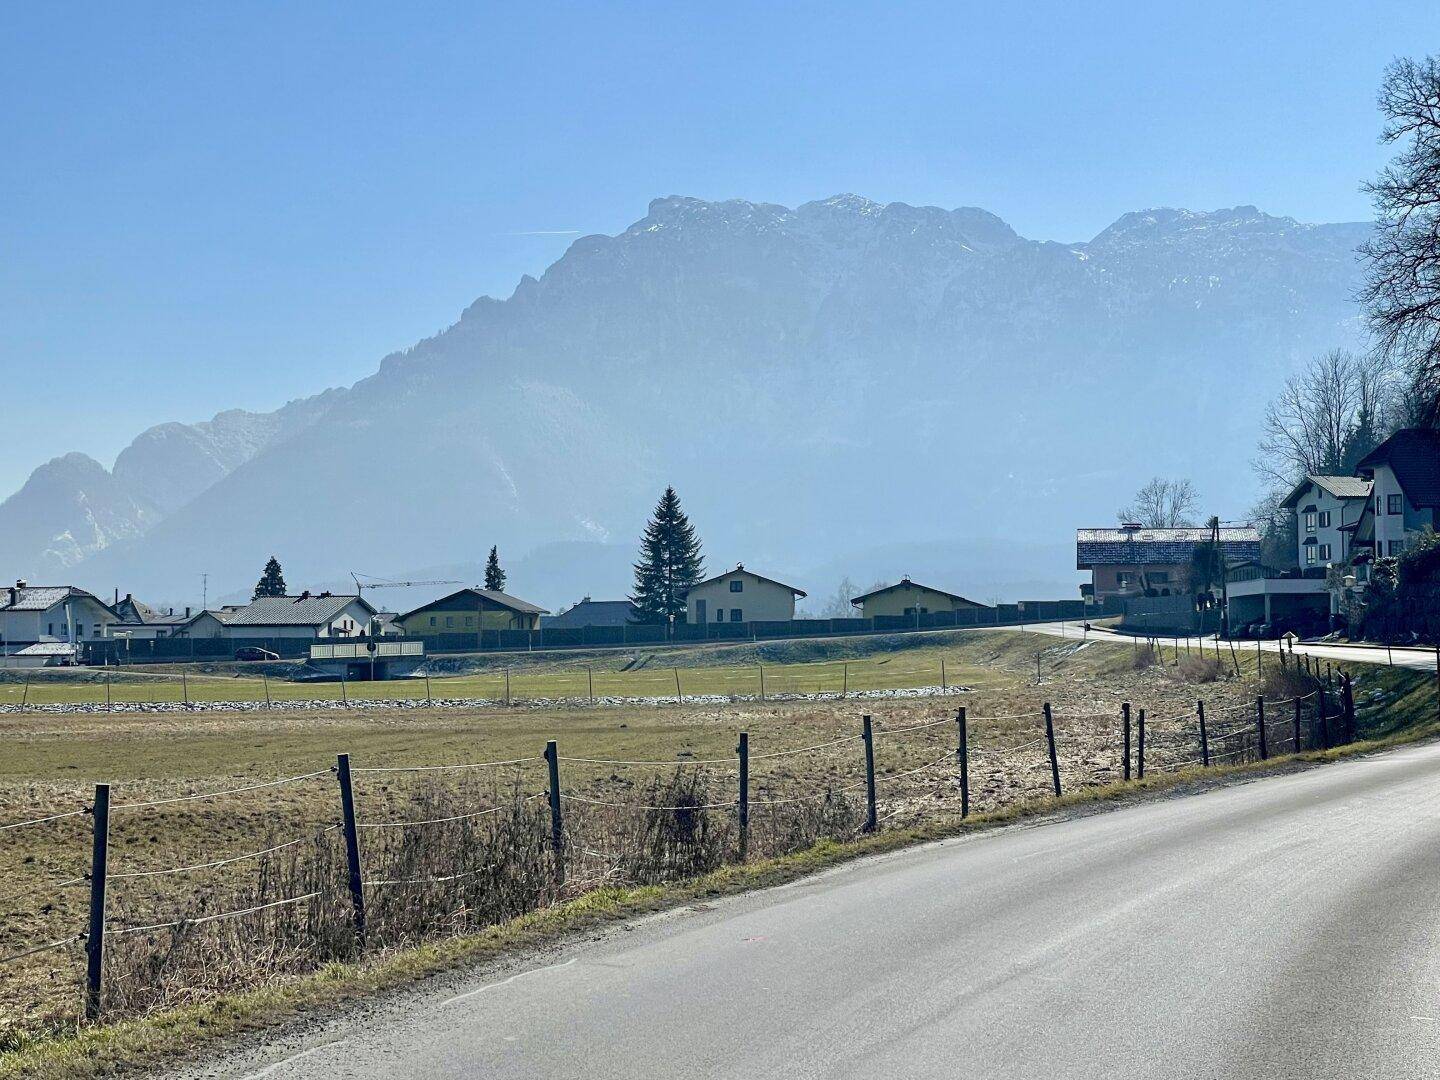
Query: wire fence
[[385, 870]]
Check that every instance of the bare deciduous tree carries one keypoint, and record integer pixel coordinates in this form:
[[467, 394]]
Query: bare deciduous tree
[[1403, 286], [1327, 417], [1161, 504]]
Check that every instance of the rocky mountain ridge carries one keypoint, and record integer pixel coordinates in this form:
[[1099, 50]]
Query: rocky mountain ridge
[[837, 377]]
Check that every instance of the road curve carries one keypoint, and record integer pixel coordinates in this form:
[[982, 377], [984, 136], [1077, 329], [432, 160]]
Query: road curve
[[1285, 927]]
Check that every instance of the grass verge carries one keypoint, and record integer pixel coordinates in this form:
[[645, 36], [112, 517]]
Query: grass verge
[[110, 1048]]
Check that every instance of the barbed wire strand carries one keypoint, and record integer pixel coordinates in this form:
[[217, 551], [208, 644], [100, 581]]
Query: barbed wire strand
[[442, 820], [72, 939], [43, 820], [212, 918], [428, 881], [636, 806], [219, 862], [447, 768], [218, 794]]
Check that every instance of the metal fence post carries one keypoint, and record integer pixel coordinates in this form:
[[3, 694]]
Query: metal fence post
[[1260, 725], [1204, 736], [964, 751], [1125, 729], [557, 825], [744, 751], [1050, 742], [867, 735], [352, 845], [95, 940], [1140, 749]]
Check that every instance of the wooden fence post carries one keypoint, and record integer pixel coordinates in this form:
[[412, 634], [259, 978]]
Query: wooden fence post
[[557, 825], [185, 687], [964, 752], [25, 695], [679, 697], [1321, 718], [1297, 725], [266, 680], [845, 681], [867, 735], [1140, 749], [762, 681], [590, 679], [109, 706], [1347, 703], [429, 700], [744, 751], [1260, 726], [95, 940], [352, 845], [944, 684], [1050, 743], [507, 686], [1125, 729], [1204, 736]]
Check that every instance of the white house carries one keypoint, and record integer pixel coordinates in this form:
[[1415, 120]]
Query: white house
[[306, 616], [1326, 511], [140, 622], [1405, 491], [48, 613], [741, 595]]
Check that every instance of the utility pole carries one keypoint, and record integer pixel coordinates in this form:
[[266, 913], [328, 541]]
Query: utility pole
[[204, 591]]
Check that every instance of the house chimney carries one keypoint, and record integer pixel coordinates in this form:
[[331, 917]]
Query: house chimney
[[187, 612]]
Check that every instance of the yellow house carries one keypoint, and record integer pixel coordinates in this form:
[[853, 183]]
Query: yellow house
[[906, 597], [469, 611]]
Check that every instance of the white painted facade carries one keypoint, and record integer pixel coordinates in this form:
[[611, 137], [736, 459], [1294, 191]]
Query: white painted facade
[[72, 615], [741, 596], [1397, 521], [1319, 515]]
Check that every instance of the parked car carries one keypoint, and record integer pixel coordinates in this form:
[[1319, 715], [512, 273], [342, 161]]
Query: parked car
[[252, 652]]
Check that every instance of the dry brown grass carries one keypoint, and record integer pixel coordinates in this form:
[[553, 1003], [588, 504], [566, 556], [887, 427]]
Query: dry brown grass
[[500, 865]]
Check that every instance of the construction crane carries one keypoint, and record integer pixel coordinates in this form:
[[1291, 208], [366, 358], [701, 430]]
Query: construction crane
[[381, 584]]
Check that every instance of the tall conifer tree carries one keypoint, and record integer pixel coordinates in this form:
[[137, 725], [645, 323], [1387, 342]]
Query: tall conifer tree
[[670, 563], [272, 581], [494, 576]]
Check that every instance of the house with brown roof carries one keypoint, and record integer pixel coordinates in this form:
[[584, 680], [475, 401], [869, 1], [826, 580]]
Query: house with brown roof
[[468, 611], [907, 597], [1134, 560]]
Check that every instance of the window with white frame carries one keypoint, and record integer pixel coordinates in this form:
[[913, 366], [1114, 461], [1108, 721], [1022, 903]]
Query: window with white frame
[[1310, 522], [1310, 554]]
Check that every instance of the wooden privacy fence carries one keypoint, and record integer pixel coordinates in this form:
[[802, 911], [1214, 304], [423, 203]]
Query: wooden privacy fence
[[1178, 740]]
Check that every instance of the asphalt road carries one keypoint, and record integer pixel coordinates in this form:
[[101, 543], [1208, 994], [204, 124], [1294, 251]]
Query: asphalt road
[[1420, 659], [1286, 927]]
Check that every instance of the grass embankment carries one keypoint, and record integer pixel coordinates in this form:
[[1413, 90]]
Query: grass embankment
[[51, 761]]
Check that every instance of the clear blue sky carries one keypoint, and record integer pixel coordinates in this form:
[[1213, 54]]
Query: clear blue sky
[[205, 208]]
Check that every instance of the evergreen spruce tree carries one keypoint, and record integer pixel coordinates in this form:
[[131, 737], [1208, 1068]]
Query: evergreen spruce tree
[[670, 563], [494, 576], [272, 581]]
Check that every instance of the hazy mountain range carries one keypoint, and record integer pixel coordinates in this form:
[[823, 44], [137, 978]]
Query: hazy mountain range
[[841, 388]]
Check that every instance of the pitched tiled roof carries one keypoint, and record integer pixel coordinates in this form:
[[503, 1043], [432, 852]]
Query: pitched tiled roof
[[290, 611], [1414, 455], [1342, 487], [903, 583], [1152, 547], [42, 597], [514, 603], [594, 613]]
